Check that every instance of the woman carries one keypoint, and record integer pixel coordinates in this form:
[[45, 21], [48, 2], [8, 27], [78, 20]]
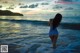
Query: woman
[[53, 33]]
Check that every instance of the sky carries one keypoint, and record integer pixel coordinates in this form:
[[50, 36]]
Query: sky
[[32, 6]]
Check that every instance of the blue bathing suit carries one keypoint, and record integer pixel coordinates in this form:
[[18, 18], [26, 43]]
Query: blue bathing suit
[[53, 31]]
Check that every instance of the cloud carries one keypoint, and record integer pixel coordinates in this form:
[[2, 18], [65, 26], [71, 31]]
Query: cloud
[[69, 8], [30, 1], [67, 0], [57, 7], [70, 0]]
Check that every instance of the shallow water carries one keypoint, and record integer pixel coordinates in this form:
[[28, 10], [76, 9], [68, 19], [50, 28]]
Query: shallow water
[[28, 37]]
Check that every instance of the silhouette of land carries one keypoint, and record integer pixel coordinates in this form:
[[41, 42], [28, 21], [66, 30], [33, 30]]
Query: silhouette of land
[[9, 13]]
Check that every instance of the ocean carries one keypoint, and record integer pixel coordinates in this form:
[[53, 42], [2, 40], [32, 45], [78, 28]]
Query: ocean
[[29, 34]]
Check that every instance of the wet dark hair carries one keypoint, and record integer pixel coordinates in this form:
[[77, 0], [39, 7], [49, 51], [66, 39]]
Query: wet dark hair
[[57, 19]]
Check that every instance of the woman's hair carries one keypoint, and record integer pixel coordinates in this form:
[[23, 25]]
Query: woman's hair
[[57, 19]]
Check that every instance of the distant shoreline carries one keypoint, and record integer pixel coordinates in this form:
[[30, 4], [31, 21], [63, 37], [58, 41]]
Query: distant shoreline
[[9, 13]]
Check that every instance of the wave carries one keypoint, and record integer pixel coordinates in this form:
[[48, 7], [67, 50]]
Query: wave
[[35, 22], [74, 26]]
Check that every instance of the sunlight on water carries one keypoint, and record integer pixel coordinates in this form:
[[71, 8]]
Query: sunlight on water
[[9, 27]]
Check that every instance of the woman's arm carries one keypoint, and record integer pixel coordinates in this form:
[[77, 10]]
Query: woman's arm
[[50, 22]]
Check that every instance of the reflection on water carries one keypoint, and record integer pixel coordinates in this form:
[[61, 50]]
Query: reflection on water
[[8, 27], [11, 17]]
